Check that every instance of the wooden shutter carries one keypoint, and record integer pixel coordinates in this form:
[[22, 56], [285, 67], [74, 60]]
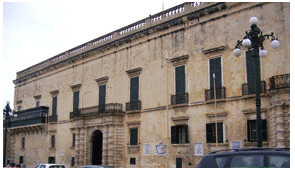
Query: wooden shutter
[[54, 105], [53, 141], [220, 132], [74, 139], [76, 101], [133, 136], [264, 130], [209, 133], [180, 80], [102, 98], [134, 89], [215, 67], [174, 136], [186, 133]]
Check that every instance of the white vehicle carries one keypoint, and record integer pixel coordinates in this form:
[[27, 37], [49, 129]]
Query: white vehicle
[[50, 166]]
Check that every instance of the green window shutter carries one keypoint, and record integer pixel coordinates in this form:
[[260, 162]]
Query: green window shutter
[[76, 101], [215, 67], [134, 89], [102, 98], [209, 133], [174, 135], [54, 105], [220, 132], [133, 136], [186, 133], [180, 79]]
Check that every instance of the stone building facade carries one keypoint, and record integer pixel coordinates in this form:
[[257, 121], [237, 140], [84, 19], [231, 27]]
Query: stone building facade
[[142, 96]]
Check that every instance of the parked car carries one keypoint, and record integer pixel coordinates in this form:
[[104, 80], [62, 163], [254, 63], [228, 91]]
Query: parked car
[[50, 166], [96, 166], [246, 157]]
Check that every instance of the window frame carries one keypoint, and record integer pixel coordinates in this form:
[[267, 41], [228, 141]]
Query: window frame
[[211, 135], [263, 130], [179, 134], [133, 136], [52, 141]]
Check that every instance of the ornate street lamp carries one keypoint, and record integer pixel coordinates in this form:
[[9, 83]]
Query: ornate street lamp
[[7, 112], [253, 41]]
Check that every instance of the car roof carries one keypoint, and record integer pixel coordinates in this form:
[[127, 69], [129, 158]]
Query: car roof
[[249, 151]]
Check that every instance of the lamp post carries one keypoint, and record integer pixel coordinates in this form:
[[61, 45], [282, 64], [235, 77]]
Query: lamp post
[[7, 113], [253, 41]]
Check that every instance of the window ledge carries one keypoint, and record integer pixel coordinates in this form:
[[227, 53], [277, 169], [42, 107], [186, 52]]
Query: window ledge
[[52, 148], [133, 146], [255, 143], [219, 144], [181, 145], [178, 105]]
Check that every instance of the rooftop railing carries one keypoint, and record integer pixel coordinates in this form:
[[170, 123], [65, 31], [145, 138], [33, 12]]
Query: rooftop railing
[[157, 19]]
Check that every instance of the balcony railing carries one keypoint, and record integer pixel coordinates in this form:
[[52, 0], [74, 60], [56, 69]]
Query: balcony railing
[[29, 117], [279, 82], [179, 99], [52, 118], [220, 93], [250, 88], [106, 108], [132, 106]]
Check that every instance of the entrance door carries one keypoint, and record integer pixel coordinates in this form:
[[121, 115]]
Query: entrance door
[[97, 148]]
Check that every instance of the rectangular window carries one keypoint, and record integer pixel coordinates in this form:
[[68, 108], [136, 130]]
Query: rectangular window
[[53, 141], [76, 101], [23, 143], [102, 98], [54, 105], [74, 139], [211, 132], [132, 161], [73, 162], [134, 89], [133, 136], [215, 67], [180, 80], [251, 130], [51, 160], [19, 108], [179, 134], [37, 103], [21, 159]]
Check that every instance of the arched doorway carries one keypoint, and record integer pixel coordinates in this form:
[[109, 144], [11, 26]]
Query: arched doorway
[[97, 148]]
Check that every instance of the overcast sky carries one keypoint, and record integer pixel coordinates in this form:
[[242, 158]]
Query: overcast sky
[[36, 31]]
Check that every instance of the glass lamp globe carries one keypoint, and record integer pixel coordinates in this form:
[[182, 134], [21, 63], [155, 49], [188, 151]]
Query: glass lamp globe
[[263, 53], [237, 52], [253, 21], [275, 44], [246, 43]]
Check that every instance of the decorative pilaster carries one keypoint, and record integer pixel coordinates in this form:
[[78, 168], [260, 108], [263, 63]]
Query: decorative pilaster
[[280, 126], [105, 145], [111, 146], [77, 147]]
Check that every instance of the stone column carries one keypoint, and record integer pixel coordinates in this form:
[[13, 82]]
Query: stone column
[[280, 126], [105, 145]]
